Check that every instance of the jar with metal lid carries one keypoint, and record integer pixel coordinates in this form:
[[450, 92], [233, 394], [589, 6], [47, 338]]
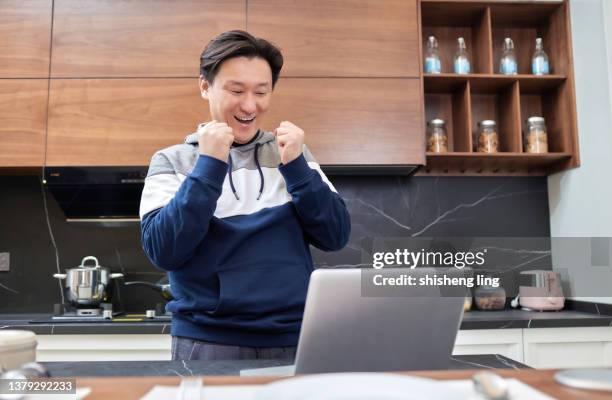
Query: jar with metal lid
[[437, 140], [488, 139], [536, 137]]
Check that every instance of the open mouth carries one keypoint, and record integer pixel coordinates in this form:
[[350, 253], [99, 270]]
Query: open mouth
[[245, 120]]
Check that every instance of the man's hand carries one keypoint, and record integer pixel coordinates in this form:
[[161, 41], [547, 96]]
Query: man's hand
[[290, 141], [215, 140]]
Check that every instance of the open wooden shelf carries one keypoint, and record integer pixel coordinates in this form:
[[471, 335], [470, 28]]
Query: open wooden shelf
[[447, 22], [470, 163], [451, 103], [464, 100], [527, 81]]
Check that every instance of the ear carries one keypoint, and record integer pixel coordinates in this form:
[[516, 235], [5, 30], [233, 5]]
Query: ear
[[204, 87]]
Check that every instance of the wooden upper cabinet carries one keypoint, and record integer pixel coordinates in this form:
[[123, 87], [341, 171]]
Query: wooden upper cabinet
[[341, 38], [124, 121], [23, 114], [138, 38], [25, 36], [353, 121], [120, 121]]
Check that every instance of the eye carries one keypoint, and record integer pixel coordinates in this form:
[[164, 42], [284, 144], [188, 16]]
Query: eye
[[237, 91], [261, 93]]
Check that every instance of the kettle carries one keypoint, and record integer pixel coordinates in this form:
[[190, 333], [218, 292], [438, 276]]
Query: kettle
[[540, 290]]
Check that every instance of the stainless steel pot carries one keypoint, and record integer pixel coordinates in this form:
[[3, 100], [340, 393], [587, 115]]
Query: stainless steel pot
[[87, 285]]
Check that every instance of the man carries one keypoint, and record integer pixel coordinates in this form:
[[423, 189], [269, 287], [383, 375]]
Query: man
[[230, 214]]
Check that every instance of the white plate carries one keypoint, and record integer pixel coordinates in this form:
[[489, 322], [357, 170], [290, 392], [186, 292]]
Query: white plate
[[355, 386]]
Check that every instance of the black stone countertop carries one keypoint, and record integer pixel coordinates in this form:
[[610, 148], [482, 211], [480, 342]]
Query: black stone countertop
[[186, 368], [506, 319], [510, 319], [24, 321]]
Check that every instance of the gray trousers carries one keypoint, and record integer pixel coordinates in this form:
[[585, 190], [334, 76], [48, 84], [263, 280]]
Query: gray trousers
[[190, 349]]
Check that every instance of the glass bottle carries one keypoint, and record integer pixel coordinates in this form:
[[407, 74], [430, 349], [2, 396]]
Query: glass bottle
[[507, 64], [536, 137], [489, 298], [433, 65], [488, 140], [461, 61], [539, 61], [437, 140]]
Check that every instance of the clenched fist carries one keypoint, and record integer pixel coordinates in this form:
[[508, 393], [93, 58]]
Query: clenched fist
[[215, 140], [290, 139]]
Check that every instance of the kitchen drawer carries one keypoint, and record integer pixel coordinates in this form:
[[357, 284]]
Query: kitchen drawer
[[507, 342], [124, 347]]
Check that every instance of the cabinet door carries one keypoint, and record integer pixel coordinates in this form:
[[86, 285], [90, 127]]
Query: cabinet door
[[124, 121], [331, 38], [138, 38], [97, 122], [25, 35], [23, 115], [568, 347], [353, 121]]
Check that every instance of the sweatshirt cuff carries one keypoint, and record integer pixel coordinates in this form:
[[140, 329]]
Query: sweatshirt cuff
[[210, 169], [296, 172]]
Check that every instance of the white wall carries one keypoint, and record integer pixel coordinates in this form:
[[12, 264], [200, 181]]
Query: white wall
[[607, 6], [580, 200]]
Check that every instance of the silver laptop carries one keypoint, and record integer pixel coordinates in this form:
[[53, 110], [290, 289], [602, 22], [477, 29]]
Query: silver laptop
[[350, 325]]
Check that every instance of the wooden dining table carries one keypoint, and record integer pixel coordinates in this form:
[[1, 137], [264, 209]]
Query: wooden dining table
[[132, 388]]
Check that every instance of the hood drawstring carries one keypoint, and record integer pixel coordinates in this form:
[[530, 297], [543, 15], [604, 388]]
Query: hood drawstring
[[229, 171], [261, 177]]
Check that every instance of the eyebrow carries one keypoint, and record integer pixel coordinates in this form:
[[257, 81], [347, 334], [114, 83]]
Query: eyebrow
[[242, 84]]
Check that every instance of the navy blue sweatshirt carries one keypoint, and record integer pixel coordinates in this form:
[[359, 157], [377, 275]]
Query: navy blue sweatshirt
[[234, 238]]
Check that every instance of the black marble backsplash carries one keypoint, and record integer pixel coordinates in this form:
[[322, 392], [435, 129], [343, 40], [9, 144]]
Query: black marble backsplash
[[380, 207]]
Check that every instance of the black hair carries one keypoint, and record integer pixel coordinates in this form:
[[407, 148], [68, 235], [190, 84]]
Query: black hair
[[238, 43]]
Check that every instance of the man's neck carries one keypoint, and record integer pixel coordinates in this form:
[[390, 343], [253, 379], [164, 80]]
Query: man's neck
[[254, 138]]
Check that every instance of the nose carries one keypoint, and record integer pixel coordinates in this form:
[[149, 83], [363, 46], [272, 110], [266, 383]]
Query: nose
[[249, 104]]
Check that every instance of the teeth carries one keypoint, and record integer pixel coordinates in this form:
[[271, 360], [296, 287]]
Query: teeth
[[246, 119]]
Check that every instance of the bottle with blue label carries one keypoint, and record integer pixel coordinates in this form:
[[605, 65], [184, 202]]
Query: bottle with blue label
[[507, 64], [433, 65], [462, 61], [539, 61]]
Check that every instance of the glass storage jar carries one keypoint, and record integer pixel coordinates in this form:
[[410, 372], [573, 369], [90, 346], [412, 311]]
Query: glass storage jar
[[437, 140], [536, 137], [488, 140], [490, 298]]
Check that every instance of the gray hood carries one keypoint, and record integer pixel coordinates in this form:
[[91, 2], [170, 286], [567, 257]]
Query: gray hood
[[258, 152], [262, 137]]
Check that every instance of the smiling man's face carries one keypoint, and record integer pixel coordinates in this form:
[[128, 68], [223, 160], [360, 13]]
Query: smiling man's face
[[240, 95]]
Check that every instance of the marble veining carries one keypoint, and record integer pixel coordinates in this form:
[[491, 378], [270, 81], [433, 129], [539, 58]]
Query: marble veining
[[470, 363], [9, 289], [455, 209], [187, 368], [504, 361]]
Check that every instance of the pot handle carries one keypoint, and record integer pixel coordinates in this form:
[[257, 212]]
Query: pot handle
[[88, 258], [59, 276], [117, 275]]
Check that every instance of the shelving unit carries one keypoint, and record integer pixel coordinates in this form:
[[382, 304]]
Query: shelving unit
[[464, 100]]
